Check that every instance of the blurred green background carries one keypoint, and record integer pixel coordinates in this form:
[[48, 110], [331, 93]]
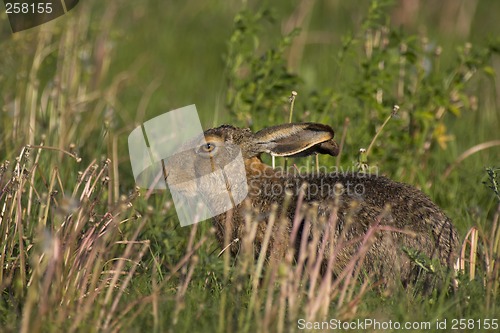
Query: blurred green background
[[84, 81], [182, 43]]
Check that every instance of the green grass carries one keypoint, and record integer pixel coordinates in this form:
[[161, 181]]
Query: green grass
[[81, 249]]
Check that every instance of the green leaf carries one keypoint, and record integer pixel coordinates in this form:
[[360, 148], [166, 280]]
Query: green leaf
[[490, 71]]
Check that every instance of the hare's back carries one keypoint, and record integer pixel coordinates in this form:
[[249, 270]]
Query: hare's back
[[373, 196]]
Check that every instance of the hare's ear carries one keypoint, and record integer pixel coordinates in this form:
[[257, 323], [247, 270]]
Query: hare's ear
[[296, 140]]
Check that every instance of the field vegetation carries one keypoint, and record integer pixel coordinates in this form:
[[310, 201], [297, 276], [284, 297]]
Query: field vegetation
[[83, 249]]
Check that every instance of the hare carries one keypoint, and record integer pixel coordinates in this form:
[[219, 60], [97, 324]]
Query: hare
[[415, 225]]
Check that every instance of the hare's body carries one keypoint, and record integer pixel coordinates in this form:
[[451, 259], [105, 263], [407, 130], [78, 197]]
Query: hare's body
[[407, 220], [418, 224]]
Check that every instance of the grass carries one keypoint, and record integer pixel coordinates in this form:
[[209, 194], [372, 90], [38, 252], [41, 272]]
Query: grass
[[81, 249]]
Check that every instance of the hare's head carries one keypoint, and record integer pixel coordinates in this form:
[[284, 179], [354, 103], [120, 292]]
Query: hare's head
[[218, 147], [283, 140]]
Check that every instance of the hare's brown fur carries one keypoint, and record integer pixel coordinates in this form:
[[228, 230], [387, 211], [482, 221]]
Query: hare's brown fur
[[416, 222]]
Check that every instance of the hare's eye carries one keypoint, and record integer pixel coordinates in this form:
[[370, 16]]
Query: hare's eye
[[208, 147]]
